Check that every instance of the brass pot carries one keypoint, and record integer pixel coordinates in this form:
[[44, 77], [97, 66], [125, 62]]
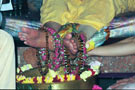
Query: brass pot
[[76, 84]]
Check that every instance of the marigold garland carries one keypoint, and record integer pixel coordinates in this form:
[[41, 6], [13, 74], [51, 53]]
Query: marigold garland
[[60, 58], [70, 74], [57, 78]]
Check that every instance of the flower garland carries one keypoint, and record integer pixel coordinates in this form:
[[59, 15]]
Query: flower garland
[[60, 58], [43, 53], [55, 77], [81, 55], [78, 70]]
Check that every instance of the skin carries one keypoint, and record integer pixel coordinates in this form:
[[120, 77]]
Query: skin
[[121, 48], [120, 84], [36, 38]]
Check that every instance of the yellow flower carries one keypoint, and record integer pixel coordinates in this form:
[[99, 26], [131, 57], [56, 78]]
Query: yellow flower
[[21, 77], [26, 67], [51, 73], [68, 77], [61, 77], [72, 77], [84, 75], [39, 79], [90, 45], [48, 79], [64, 32], [28, 80]]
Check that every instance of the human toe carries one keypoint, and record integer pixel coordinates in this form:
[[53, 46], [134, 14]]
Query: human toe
[[68, 36], [21, 37], [25, 30]]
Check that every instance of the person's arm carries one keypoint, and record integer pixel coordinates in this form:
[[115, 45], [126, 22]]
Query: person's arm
[[125, 47]]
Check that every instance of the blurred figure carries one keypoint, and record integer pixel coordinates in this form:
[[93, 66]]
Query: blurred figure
[[7, 55]]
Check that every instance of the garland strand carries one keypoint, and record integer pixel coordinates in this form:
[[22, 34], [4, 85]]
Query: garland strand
[[60, 58]]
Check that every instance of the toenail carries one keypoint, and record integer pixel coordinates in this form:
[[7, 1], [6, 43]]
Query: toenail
[[25, 42]]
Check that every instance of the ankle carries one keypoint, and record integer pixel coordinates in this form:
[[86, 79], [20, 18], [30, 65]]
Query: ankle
[[51, 42]]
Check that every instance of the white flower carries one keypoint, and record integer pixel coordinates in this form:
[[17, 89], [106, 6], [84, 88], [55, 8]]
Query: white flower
[[95, 65], [84, 75]]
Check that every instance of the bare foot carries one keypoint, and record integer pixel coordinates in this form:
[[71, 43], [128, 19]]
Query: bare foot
[[70, 43], [35, 38]]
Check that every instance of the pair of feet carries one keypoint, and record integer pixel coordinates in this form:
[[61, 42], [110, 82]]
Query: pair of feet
[[36, 38]]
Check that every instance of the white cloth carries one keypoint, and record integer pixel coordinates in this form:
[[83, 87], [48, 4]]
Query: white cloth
[[7, 61], [7, 55], [5, 7]]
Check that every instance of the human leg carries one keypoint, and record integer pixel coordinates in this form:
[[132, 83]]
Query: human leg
[[124, 47], [37, 38], [7, 61], [127, 83], [71, 43]]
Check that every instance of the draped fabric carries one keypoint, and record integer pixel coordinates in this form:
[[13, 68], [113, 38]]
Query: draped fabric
[[95, 13], [88, 12], [7, 61]]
